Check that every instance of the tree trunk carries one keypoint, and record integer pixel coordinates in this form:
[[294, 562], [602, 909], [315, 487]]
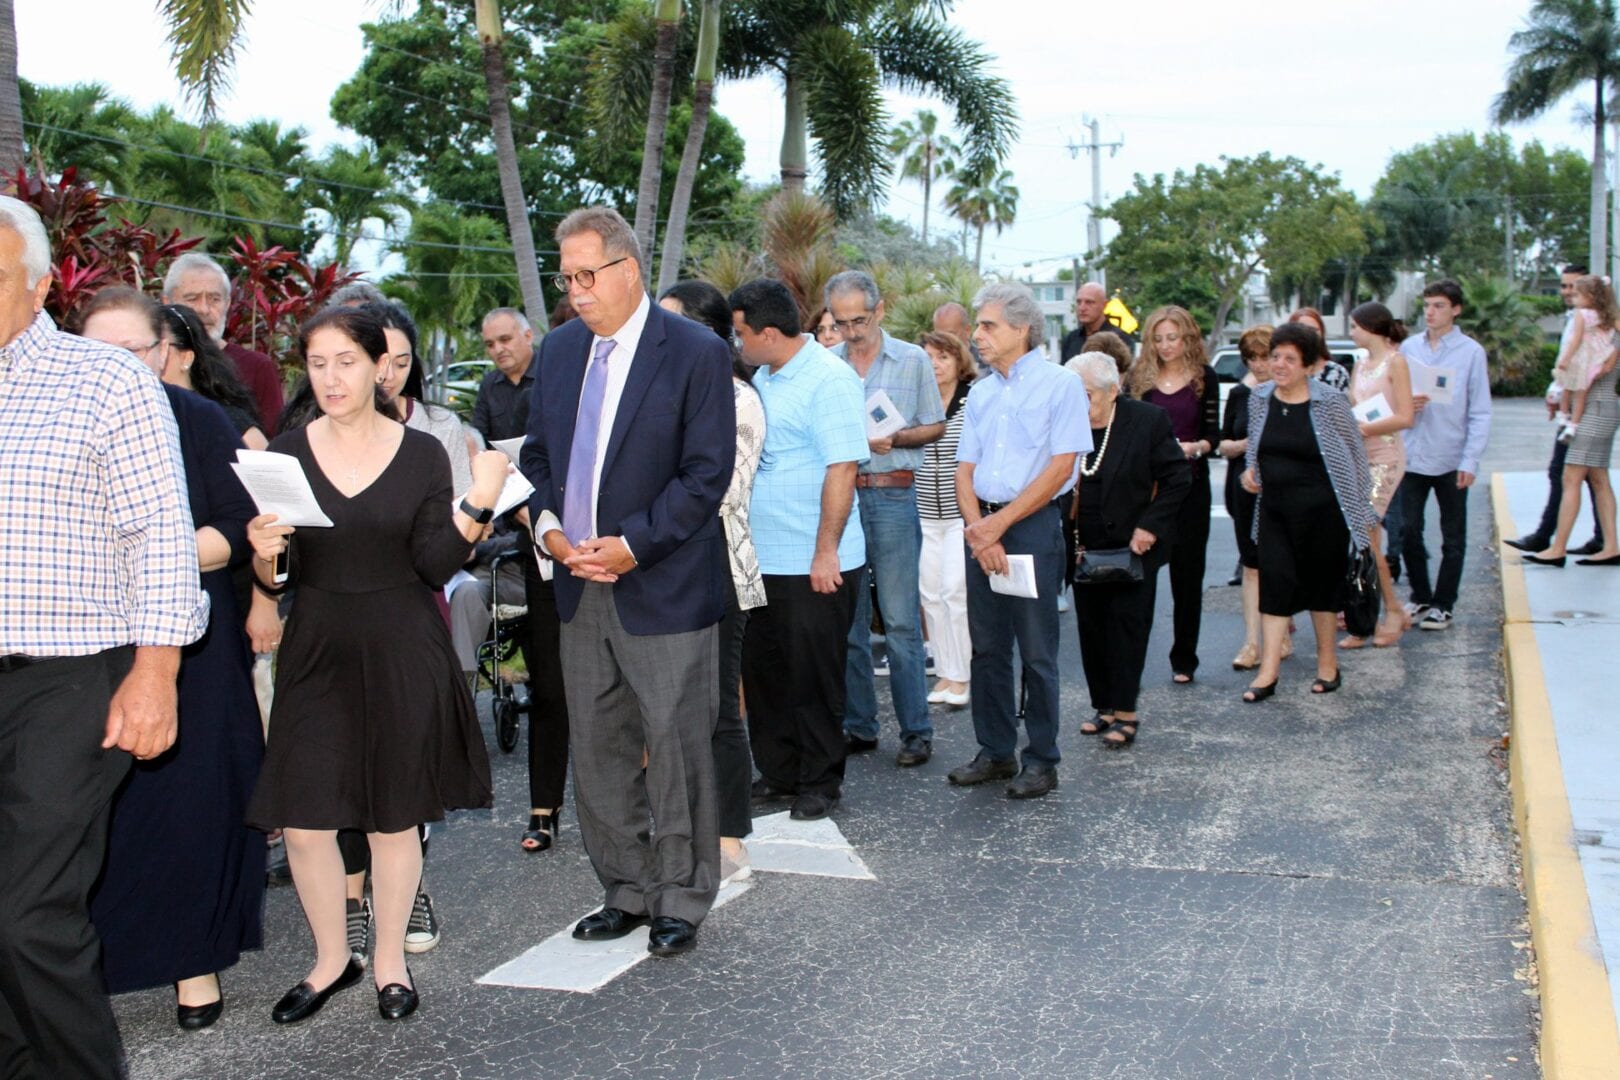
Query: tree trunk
[[1600, 188], [928, 184], [517, 209], [652, 148], [11, 129], [978, 249], [669, 260], [795, 152]]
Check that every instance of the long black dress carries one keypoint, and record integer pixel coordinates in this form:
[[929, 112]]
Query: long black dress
[[372, 726], [1303, 536], [1239, 503], [182, 893]]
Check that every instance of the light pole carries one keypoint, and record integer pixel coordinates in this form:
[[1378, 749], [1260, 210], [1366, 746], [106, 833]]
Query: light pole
[[1094, 222]]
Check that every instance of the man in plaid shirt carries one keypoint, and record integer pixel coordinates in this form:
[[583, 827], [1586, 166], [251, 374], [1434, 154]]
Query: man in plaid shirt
[[99, 590]]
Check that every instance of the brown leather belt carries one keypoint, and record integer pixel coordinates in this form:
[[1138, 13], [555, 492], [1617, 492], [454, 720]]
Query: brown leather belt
[[899, 478]]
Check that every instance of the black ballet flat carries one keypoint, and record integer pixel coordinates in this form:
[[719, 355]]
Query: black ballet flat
[[1256, 694], [1539, 561], [1612, 560], [396, 1001], [1327, 686], [304, 1001], [197, 1017]]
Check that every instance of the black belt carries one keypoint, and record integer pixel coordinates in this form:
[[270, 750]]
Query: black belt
[[988, 508], [16, 662]]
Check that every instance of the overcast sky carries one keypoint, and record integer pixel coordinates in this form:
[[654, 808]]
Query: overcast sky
[[1340, 85]]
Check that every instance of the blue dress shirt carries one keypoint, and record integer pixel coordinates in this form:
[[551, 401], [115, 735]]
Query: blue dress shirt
[[1016, 424], [1450, 437]]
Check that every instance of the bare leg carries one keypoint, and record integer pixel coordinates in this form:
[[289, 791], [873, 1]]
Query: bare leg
[[1574, 480], [1251, 609], [396, 868], [317, 870], [1603, 507], [1577, 408], [1273, 632], [1326, 624], [354, 886], [201, 990], [1394, 621]]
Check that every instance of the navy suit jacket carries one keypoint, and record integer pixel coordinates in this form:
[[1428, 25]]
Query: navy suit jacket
[[667, 466]]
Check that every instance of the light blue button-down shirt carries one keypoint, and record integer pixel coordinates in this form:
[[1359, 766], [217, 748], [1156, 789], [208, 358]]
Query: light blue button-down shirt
[[905, 373], [815, 416], [1450, 437], [1017, 424]]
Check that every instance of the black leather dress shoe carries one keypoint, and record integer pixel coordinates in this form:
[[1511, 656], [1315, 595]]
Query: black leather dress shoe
[[396, 1001], [1529, 542], [304, 1001], [854, 744], [607, 924], [670, 936], [197, 1017], [1033, 782], [914, 750], [981, 769], [1591, 547], [812, 807]]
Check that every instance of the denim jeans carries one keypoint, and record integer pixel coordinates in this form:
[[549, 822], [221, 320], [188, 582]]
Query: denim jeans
[[893, 555], [1453, 504]]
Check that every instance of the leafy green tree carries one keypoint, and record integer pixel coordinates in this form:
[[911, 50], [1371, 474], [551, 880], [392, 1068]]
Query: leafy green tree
[[81, 125], [203, 38], [925, 154], [1213, 229], [1565, 45], [457, 267], [1503, 321], [352, 188], [981, 198]]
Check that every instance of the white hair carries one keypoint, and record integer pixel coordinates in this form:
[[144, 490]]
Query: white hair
[[23, 220], [191, 262], [1018, 307], [1096, 368]]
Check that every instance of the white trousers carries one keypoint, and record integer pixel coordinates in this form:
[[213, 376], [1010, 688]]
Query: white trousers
[[942, 586]]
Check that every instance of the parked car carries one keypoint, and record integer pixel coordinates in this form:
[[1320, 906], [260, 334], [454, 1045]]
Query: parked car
[[456, 384], [1228, 363]]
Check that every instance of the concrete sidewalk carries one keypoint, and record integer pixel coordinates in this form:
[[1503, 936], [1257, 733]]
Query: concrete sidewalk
[[1561, 637]]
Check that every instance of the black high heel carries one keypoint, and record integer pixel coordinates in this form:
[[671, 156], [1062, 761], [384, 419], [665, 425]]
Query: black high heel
[[542, 831], [1327, 686], [1255, 694], [197, 1017]]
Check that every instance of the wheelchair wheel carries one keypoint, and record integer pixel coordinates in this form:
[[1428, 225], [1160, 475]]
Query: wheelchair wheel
[[505, 711]]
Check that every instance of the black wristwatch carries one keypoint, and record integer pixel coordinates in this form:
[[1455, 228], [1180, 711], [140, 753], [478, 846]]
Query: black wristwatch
[[482, 515]]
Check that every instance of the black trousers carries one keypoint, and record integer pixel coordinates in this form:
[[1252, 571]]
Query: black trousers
[[733, 762], [1187, 552], [793, 672], [1114, 623], [1453, 504], [548, 708], [56, 789], [1555, 496]]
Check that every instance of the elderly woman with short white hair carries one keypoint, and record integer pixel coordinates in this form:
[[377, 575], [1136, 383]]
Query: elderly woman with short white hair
[[1130, 490]]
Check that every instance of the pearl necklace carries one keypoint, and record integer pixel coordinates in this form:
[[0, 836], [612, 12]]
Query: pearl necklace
[[1096, 462]]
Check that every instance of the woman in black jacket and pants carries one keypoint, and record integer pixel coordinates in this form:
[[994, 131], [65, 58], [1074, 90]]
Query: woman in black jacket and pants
[[1130, 493]]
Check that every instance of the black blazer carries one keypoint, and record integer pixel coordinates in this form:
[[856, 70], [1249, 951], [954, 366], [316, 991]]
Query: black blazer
[[1142, 452]]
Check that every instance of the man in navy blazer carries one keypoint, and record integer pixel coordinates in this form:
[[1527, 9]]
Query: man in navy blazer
[[632, 433]]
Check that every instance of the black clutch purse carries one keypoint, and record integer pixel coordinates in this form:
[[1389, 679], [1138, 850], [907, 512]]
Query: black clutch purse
[[1108, 566], [1361, 591]]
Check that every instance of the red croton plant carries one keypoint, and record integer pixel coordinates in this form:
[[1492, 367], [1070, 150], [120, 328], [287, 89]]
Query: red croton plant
[[273, 289]]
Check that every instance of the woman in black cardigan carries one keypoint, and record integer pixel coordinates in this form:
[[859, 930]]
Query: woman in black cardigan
[[1130, 493], [1170, 372]]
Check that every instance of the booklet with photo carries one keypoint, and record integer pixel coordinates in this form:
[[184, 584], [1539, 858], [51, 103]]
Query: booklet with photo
[[1373, 409], [883, 418]]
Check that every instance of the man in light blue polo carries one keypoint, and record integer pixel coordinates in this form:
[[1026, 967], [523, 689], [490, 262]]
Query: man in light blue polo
[[812, 553], [888, 502], [1027, 425], [1443, 448]]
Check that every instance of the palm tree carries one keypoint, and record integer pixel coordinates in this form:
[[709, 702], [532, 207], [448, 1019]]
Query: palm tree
[[835, 60], [667, 14], [500, 120], [80, 125], [203, 38], [1565, 44], [981, 198], [353, 188], [11, 125], [669, 260], [926, 154]]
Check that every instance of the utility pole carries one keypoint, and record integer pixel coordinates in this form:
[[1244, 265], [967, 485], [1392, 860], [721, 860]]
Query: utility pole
[[1094, 223], [1614, 208]]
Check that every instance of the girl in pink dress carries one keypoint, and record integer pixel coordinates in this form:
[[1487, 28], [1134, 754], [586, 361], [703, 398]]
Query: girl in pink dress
[[1587, 348], [1382, 372]]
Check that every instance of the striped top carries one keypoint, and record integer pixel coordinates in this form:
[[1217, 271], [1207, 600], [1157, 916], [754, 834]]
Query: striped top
[[1344, 453], [936, 480]]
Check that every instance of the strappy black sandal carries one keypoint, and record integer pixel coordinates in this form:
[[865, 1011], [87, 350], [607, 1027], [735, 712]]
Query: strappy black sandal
[[1327, 686], [1256, 694], [1126, 732], [1098, 724], [542, 831]]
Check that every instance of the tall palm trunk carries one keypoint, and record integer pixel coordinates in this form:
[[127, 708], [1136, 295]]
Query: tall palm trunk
[[668, 15], [500, 120], [11, 129], [795, 146], [978, 249], [928, 185], [669, 265], [1600, 189]]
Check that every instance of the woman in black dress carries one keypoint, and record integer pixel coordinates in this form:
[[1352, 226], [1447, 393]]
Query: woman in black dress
[[1130, 492], [1255, 348], [182, 892], [372, 726], [1307, 463]]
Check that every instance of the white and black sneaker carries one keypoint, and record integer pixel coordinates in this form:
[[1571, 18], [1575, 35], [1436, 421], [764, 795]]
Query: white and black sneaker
[[1435, 619], [359, 916], [1415, 611], [422, 932]]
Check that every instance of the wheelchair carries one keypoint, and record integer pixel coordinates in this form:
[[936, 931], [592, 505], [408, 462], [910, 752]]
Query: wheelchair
[[508, 629]]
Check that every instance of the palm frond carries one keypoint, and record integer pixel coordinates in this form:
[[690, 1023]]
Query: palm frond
[[621, 77], [847, 118], [922, 54], [203, 38]]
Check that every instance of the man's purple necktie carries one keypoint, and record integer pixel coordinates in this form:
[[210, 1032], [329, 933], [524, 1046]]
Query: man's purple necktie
[[577, 519]]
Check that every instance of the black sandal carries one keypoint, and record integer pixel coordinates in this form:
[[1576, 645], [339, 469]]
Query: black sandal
[[541, 833], [1125, 729], [1256, 694], [1096, 725], [1327, 686]]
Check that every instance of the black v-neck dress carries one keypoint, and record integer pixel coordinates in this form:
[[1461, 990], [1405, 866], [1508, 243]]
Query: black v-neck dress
[[372, 727]]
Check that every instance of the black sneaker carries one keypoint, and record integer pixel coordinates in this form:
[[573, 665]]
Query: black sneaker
[[914, 750], [422, 932], [359, 916], [1435, 619]]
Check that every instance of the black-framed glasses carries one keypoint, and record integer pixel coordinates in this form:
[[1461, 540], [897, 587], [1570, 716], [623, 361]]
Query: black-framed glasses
[[860, 322], [583, 278]]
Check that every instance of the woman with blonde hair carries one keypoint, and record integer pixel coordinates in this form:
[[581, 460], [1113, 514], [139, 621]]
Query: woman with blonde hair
[[1172, 373]]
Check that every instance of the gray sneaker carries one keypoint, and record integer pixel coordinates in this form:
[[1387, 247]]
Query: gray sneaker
[[359, 915], [422, 932]]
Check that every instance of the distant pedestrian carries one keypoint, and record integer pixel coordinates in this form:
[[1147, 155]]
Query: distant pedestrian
[[1588, 462], [1254, 346], [954, 319], [1026, 427], [201, 284], [1324, 366], [1587, 350], [942, 581], [825, 329], [1090, 310]]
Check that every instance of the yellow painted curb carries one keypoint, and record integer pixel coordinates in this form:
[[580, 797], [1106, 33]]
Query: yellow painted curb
[[1579, 1037]]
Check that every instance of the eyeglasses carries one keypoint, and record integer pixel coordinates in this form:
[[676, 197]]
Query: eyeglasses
[[583, 278], [858, 323], [143, 351]]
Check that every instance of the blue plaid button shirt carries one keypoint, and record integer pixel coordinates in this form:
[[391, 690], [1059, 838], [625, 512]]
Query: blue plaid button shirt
[[904, 372], [97, 547]]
